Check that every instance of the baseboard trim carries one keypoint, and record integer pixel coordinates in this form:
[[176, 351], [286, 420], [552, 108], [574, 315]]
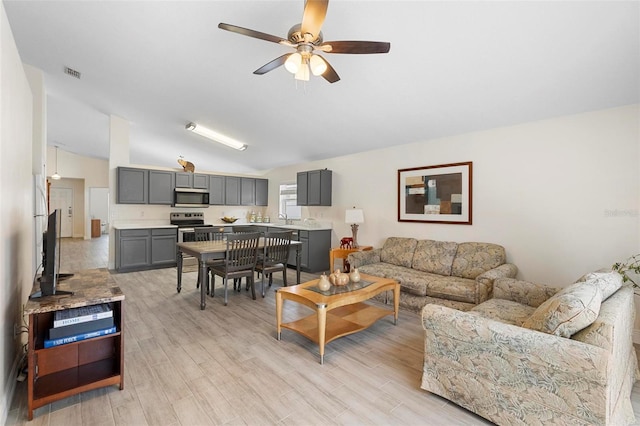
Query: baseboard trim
[[10, 388]]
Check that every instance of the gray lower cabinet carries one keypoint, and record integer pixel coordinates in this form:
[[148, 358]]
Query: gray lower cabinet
[[314, 255], [161, 184], [138, 249], [163, 247], [133, 186]]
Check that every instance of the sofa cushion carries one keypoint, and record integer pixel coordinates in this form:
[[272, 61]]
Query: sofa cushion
[[453, 288], [606, 280], [472, 259], [434, 256], [503, 310], [568, 311], [398, 251]]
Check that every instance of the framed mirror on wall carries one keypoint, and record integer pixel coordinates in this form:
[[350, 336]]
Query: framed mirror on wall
[[437, 194]]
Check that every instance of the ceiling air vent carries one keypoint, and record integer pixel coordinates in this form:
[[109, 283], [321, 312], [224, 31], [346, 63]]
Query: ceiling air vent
[[72, 72]]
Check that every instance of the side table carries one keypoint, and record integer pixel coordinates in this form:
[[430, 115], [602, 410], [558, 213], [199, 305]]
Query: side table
[[342, 253]]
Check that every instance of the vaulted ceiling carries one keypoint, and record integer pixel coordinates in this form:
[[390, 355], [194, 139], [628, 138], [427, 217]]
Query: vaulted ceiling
[[454, 67]]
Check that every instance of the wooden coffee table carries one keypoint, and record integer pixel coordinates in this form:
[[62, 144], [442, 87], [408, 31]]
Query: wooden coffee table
[[339, 311]]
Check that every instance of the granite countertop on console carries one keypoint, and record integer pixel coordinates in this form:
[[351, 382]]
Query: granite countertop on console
[[90, 287]]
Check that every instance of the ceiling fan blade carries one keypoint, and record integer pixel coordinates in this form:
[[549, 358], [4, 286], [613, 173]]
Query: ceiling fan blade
[[355, 47], [313, 17], [250, 33], [330, 74], [273, 64]]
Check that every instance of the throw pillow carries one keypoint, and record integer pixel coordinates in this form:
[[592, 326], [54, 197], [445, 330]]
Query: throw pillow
[[568, 311], [608, 281]]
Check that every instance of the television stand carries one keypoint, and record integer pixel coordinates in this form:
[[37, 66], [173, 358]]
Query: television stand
[[62, 371]]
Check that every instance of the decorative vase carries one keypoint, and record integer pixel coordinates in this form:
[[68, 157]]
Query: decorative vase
[[324, 283], [340, 279], [354, 276]]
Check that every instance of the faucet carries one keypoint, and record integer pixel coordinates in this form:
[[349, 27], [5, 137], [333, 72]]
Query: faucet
[[287, 221]]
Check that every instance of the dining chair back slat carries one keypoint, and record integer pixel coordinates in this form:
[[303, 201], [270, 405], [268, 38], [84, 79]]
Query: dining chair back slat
[[275, 256], [240, 261]]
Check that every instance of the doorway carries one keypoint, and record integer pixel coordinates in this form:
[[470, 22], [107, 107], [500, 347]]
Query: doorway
[[62, 198]]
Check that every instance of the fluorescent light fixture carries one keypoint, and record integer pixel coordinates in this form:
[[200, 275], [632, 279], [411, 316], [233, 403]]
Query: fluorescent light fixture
[[216, 137]]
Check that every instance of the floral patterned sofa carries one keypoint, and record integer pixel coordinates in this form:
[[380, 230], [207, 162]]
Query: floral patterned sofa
[[457, 275], [537, 355]]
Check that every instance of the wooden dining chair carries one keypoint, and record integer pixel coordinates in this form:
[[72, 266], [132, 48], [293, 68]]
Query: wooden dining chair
[[239, 262], [207, 233], [274, 256]]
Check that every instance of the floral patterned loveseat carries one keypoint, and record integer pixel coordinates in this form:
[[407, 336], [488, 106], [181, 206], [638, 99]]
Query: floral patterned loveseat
[[537, 355], [457, 275]]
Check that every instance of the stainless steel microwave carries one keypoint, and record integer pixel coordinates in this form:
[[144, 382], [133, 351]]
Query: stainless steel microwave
[[187, 197]]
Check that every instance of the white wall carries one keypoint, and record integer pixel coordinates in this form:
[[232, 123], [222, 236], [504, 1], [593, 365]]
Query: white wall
[[561, 195], [16, 208], [80, 173]]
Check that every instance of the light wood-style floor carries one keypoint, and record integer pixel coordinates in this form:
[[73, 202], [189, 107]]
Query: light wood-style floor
[[184, 366]]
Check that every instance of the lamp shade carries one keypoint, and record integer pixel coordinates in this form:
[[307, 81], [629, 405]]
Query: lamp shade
[[354, 216]]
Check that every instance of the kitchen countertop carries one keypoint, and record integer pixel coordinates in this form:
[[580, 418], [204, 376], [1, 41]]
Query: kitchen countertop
[[318, 227], [142, 226]]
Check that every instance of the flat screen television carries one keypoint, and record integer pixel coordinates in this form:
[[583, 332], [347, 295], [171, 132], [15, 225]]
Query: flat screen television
[[51, 259]]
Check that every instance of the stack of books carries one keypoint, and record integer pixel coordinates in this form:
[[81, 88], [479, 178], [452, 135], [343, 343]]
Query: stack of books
[[76, 324]]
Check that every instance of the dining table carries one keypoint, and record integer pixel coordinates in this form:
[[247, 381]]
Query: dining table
[[206, 251]]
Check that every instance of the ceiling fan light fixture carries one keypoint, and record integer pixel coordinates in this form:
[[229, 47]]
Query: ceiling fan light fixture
[[216, 137], [293, 63], [303, 72], [318, 65]]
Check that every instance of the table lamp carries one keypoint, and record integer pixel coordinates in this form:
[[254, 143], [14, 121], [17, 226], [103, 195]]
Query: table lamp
[[354, 217]]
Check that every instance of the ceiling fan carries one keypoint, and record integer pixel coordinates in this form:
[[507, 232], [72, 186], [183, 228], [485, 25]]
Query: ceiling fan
[[307, 39]]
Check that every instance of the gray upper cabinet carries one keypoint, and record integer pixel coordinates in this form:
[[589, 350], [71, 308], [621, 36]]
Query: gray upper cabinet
[[232, 191], [200, 181], [314, 188], [247, 191], [133, 186], [254, 192], [216, 190], [144, 186], [161, 184], [184, 180], [192, 180], [262, 192]]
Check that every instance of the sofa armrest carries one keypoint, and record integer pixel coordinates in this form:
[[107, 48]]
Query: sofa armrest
[[524, 292], [506, 270], [361, 258], [474, 360]]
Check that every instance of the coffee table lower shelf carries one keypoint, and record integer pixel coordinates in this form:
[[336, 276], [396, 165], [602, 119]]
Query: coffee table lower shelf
[[340, 322]]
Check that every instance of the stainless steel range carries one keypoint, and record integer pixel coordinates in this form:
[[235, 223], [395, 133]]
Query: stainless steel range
[[186, 222]]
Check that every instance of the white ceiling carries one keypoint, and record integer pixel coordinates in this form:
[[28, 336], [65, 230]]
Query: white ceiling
[[454, 67]]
